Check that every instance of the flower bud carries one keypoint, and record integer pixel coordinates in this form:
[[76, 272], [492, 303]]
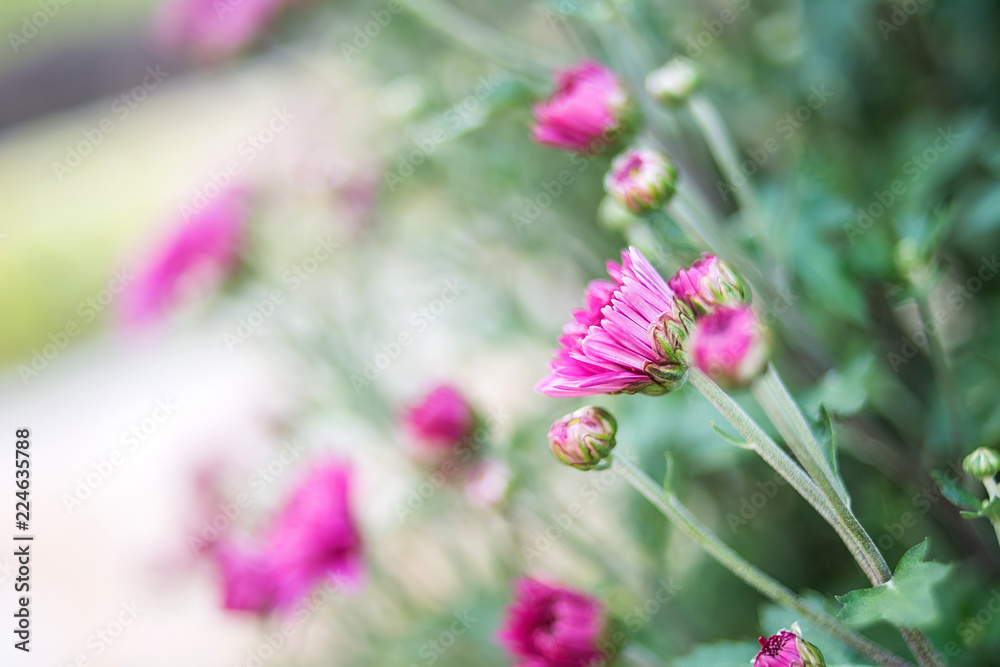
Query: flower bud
[[584, 438], [982, 463], [730, 345], [787, 649], [673, 83], [641, 180], [708, 284]]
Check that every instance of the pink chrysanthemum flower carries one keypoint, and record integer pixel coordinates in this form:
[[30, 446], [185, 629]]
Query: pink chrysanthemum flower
[[787, 649], [730, 345], [214, 29], [443, 419], [626, 339], [551, 626], [708, 284], [203, 250], [641, 180], [313, 537], [586, 111]]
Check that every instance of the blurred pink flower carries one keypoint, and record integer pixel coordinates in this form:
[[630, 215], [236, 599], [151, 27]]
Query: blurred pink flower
[[551, 626], [248, 578], [626, 339], [442, 419], [202, 250], [313, 537], [588, 105], [214, 29], [709, 283], [730, 346], [787, 649], [487, 483]]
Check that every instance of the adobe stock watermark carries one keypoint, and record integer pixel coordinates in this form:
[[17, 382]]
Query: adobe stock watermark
[[132, 440], [915, 167], [455, 120], [88, 310], [297, 616], [957, 298], [263, 308], [121, 108], [975, 624], [31, 25], [549, 191], [784, 129], [419, 321], [696, 45], [902, 10], [104, 637], [451, 465], [755, 502], [215, 526], [434, 649], [247, 151], [363, 35]]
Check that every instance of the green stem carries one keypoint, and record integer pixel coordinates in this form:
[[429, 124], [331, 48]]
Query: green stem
[[780, 461], [773, 396], [783, 411], [494, 45], [993, 492], [943, 370], [679, 515], [720, 144]]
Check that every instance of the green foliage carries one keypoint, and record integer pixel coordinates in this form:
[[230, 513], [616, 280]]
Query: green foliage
[[907, 599]]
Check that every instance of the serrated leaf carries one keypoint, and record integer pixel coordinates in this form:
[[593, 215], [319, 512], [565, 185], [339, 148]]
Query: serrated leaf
[[956, 493], [905, 600], [731, 438]]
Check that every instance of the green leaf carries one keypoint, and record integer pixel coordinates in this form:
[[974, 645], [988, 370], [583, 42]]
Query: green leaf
[[989, 510], [732, 439], [956, 493], [843, 392], [828, 445], [906, 600]]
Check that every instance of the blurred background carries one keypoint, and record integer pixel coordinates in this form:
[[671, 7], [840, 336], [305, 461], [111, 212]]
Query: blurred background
[[404, 232]]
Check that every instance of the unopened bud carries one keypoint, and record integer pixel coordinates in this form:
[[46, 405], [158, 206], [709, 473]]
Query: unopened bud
[[584, 438]]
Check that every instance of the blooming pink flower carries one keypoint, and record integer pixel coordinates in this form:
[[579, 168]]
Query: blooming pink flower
[[551, 626], [709, 283], [214, 28], [787, 649], [584, 438], [203, 249], [729, 345], [626, 339], [641, 180], [442, 419], [588, 106], [313, 537]]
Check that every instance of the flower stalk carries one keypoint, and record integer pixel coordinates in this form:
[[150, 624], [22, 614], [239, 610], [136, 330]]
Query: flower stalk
[[668, 504]]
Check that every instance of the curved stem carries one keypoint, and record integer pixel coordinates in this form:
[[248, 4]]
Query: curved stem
[[782, 463], [679, 515], [782, 409]]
